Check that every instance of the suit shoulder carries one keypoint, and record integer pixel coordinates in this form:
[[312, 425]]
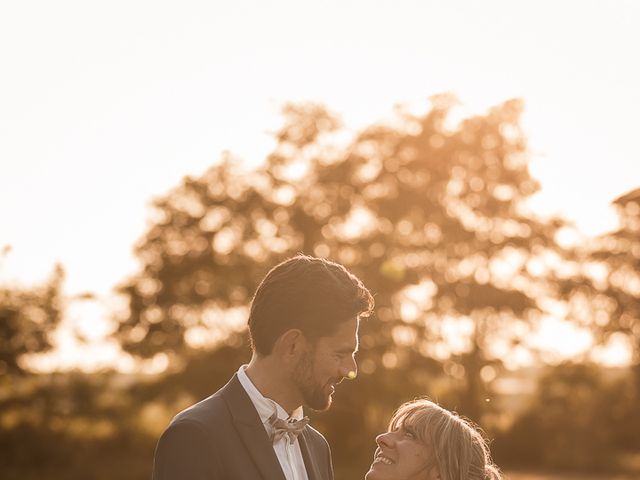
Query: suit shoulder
[[183, 452], [204, 412]]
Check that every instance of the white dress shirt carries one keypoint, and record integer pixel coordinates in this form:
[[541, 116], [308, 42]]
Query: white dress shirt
[[289, 454]]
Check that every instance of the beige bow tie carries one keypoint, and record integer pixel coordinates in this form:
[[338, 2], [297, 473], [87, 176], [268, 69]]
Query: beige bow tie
[[286, 428]]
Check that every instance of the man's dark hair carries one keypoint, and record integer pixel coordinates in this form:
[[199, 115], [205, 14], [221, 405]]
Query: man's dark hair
[[312, 294]]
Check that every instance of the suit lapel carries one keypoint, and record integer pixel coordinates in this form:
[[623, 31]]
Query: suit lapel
[[251, 431], [309, 461]]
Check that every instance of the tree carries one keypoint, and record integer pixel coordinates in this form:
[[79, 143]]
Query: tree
[[429, 215], [576, 421], [28, 317], [620, 251], [604, 293]]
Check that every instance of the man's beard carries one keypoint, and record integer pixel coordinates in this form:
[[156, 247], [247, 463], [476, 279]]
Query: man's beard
[[313, 394]]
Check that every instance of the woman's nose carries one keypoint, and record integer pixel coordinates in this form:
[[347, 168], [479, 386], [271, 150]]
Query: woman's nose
[[384, 439]]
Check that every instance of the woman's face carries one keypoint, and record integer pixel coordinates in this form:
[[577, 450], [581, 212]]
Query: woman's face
[[401, 455]]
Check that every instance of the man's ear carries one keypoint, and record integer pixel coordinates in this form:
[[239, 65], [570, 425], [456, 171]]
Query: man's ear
[[290, 344]]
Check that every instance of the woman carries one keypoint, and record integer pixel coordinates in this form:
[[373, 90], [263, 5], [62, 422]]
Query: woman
[[427, 442]]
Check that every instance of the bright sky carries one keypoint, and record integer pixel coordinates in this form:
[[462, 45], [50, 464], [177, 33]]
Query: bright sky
[[104, 105]]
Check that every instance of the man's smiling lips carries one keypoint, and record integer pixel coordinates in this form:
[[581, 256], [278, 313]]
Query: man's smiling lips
[[332, 384]]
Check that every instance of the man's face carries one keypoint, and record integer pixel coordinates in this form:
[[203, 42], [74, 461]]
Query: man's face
[[326, 364]]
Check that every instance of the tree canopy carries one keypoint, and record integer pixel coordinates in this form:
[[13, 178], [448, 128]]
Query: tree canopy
[[28, 318], [430, 214]]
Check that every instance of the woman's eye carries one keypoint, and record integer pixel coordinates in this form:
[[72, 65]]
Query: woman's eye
[[410, 434]]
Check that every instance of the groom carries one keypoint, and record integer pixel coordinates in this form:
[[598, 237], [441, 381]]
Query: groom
[[303, 326]]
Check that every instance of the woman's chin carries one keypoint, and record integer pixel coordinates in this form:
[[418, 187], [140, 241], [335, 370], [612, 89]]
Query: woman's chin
[[372, 474]]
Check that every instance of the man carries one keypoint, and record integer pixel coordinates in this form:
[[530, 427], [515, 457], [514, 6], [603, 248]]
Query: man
[[303, 325]]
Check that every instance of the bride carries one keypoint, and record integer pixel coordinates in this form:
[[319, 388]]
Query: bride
[[427, 442]]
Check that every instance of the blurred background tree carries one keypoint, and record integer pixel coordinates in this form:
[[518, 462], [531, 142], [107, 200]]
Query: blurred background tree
[[603, 290], [431, 214], [618, 298], [577, 420], [603, 295], [28, 318]]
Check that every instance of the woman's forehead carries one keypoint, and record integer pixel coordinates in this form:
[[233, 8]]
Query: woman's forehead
[[406, 419]]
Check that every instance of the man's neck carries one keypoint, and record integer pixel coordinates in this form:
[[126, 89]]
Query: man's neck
[[272, 382]]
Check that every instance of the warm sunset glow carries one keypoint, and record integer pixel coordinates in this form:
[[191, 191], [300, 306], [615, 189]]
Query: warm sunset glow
[[95, 123], [467, 172]]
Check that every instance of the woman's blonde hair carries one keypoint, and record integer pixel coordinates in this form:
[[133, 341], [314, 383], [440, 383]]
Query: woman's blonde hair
[[460, 451]]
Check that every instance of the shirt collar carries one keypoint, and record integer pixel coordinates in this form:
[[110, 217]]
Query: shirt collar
[[265, 406]]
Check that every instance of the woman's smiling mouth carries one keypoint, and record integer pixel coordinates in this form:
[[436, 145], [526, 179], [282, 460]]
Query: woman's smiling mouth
[[380, 458]]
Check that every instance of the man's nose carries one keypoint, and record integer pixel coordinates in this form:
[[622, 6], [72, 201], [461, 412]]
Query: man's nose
[[348, 366]]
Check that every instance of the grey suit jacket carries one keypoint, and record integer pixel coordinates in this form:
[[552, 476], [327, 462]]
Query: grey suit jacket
[[222, 437]]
